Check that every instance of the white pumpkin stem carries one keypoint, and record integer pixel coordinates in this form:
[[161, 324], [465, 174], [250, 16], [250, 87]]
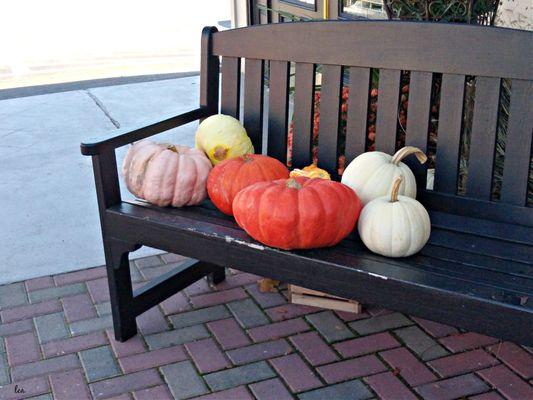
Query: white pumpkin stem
[[407, 150], [395, 189]]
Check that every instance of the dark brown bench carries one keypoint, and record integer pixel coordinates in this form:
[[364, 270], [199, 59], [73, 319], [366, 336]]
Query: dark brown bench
[[476, 271]]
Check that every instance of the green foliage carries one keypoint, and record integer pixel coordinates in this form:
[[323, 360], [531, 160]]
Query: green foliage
[[462, 11]]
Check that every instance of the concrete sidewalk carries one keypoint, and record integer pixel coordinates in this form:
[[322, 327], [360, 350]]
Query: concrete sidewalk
[[62, 41], [48, 213]]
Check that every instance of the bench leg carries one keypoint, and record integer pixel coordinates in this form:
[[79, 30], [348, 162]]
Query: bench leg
[[120, 289], [218, 276]]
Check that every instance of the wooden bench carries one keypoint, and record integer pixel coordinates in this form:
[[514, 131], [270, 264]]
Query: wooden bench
[[476, 271]]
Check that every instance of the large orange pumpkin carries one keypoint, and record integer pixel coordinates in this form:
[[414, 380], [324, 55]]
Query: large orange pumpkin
[[227, 178], [297, 213]]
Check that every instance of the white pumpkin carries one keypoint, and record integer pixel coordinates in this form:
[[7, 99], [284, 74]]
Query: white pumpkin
[[394, 226], [371, 174]]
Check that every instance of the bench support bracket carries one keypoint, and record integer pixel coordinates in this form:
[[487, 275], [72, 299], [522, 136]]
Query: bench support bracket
[[127, 304]]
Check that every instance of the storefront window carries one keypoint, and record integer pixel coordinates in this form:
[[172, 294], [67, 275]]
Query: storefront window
[[370, 9], [302, 3]]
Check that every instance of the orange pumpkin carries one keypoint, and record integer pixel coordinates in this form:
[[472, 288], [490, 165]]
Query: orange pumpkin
[[297, 213], [227, 178]]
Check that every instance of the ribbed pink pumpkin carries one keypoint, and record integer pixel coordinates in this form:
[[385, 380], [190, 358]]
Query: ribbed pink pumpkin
[[166, 174]]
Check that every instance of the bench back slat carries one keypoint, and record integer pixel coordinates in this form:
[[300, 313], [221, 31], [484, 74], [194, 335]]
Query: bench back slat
[[418, 120], [450, 121], [387, 117], [356, 122], [483, 138], [518, 144], [231, 86], [278, 107], [303, 114], [328, 131], [209, 72], [253, 101]]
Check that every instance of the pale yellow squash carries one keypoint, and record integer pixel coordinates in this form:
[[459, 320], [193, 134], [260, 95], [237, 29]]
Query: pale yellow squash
[[221, 137]]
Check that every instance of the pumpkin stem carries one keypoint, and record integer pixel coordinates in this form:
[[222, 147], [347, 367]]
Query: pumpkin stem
[[171, 147], [293, 184], [395, 189], [407, 150]]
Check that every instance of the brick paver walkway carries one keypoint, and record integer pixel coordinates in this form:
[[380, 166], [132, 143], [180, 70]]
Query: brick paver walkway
[[55, 343]]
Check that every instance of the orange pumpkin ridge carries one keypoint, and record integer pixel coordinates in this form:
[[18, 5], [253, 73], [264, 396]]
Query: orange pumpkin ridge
[[323, 233]]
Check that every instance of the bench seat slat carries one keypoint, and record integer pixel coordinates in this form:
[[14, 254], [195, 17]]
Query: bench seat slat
[[231, 86], [396, 284], [328, 131], [479, 261], [387, 115], [518, 144], [432, 260], [408, 273], [482, 227], [356, 123], [303, 114], [480, 245], [429, 272]]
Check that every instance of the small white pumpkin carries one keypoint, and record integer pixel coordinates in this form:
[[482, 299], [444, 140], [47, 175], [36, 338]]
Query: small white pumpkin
[[394, 226], [371, 174]]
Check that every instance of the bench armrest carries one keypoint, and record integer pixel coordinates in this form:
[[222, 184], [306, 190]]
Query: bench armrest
[[129, 135]]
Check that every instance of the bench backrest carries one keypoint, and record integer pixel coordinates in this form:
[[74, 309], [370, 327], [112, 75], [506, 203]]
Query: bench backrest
[[455, 51]]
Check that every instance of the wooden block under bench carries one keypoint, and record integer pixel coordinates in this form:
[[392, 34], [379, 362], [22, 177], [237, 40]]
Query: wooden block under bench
[[309, 297]]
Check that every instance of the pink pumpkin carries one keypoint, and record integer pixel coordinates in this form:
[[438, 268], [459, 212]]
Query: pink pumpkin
[[166, 174]]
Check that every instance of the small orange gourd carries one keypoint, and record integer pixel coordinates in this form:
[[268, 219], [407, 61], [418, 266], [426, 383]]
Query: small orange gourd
[[311, 171]]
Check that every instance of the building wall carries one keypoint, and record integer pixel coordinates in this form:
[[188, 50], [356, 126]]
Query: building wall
[[517, 14]]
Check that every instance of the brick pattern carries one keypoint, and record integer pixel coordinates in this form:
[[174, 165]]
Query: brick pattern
[[231, 341]]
